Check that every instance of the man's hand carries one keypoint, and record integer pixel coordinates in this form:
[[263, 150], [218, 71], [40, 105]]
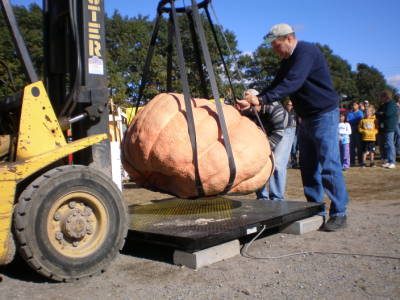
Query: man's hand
[[248, 101], [242, 104]]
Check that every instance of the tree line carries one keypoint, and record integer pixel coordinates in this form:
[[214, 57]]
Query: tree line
[[127, 40]]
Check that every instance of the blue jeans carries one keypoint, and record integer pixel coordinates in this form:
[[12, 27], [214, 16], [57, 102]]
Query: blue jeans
[[355, 146], [390, 151], [277, 182], [320, 165], [293, 152], [397, 138]]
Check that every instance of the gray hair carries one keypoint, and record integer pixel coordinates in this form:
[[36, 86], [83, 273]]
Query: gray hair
[[253, 92]]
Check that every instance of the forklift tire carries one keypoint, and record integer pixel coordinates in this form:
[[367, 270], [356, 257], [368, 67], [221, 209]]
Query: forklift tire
[[70, 223]]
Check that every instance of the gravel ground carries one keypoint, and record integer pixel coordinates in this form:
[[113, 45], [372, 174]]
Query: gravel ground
[[144, 272]]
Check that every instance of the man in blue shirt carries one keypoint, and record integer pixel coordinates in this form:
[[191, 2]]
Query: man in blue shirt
[[354, 117], [305, 77]]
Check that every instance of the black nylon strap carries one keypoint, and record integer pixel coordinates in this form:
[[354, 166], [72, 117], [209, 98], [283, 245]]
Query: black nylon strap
[[188, 103], [220, 53], [197, 55], [221, 118], [149, 57], [170, 49]]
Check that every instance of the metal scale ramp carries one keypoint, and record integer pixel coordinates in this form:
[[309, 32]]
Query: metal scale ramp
[[192, 225]]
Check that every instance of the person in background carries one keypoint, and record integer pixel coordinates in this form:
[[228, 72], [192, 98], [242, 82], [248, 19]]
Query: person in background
[[366, 105], [292, 123], [368, 128], [304, 76], [354, 117], [387, 116], [397, 129], [280, 134], [344, 141], [362, 107]]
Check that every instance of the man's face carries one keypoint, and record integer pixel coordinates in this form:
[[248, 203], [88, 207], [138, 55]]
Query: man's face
[[282, 46], [355, 106]]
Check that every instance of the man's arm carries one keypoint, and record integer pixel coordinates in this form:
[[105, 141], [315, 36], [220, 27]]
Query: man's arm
[[292, 81]]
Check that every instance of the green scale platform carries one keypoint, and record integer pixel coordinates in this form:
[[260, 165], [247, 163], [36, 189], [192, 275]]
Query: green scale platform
[[192, 225]]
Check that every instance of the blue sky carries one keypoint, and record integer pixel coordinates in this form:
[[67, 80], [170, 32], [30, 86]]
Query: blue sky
[[359, 31]]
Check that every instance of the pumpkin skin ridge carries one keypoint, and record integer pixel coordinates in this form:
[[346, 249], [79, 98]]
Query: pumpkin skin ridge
[[158, 135], [220, 137], [143, 120], [244, 181], [234, 123], [210, 108], [249, 180], [210, 177], [124, 161], [139, 124], [186, 166]]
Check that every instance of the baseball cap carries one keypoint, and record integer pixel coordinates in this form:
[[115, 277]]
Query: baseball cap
[[366, 102], [277, 31]]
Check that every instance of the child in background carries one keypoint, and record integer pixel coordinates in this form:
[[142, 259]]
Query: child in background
[[344, 141], [368, 127]]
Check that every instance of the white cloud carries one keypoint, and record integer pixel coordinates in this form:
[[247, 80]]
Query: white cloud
[[250, 53], [394, 81]]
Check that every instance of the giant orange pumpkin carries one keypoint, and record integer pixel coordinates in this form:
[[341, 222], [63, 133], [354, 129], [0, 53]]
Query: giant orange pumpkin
[[157, 151]]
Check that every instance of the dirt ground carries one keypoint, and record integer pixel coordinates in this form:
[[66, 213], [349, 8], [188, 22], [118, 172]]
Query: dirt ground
[[143, 272]]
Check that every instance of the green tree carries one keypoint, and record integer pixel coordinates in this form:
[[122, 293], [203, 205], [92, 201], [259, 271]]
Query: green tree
[[130, 38], [260, 67], [370, 83], [30, 25], [343, 78]]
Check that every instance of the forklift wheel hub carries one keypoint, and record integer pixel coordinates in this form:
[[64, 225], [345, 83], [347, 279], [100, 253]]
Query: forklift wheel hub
[[77, 224]]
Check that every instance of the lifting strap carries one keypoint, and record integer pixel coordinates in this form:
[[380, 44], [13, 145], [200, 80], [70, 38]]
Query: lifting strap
[[220, 54], [149, 57], [221, 118], [170, 49], [197, 55], [173, 30], [188, 104]]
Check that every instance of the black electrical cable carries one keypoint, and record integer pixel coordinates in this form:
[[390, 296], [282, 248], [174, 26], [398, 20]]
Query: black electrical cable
[[244, 252]]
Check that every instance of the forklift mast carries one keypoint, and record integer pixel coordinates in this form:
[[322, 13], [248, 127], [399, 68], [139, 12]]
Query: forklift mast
[[75, 72]]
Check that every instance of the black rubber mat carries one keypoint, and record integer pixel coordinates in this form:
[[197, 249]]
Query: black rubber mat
[[193, 225]]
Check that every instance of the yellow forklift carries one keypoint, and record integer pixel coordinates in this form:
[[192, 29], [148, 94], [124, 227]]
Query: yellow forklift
[[68, 221]]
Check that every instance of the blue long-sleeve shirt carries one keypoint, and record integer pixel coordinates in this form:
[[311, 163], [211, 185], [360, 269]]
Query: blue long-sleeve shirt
[[354, 118], [305, 77]]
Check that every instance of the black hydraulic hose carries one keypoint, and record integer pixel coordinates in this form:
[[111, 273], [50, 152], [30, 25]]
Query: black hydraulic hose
[[71, 100]]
